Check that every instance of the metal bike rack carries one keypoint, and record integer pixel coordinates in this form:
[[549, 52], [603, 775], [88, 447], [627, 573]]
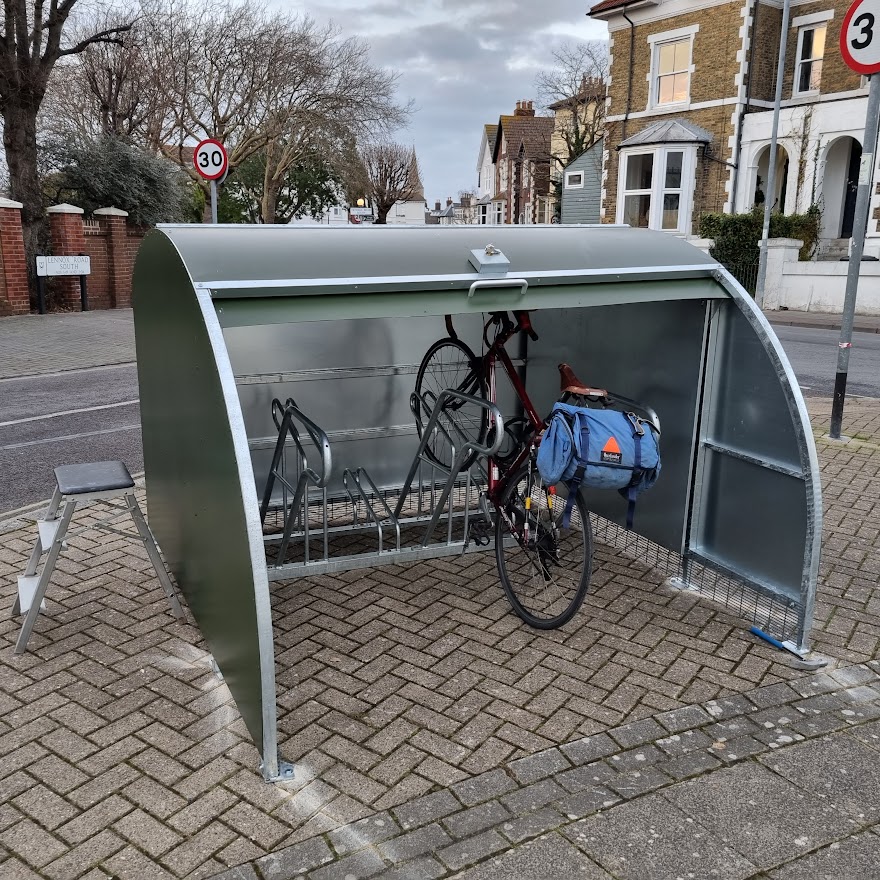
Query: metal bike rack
[[241, 492]]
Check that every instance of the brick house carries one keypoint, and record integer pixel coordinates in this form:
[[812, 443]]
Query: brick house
[[521, 156], [689, 114]]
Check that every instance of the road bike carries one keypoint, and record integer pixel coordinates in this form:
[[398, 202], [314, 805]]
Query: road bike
[[545, 569]]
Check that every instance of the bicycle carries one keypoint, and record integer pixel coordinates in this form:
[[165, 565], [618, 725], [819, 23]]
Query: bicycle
[[545, 569]]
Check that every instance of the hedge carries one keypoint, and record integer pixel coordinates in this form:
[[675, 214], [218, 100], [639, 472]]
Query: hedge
[[737, 236]]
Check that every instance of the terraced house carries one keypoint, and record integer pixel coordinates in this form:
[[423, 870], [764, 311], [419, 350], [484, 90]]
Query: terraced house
[[689, 114]]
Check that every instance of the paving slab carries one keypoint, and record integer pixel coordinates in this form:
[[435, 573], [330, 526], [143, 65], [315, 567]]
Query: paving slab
[[550, 856], [759, 814], [838, 768], [856, 858], [36, 344], [649, 839]]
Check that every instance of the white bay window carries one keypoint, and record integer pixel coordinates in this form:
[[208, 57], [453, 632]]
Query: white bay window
[[655, 189]]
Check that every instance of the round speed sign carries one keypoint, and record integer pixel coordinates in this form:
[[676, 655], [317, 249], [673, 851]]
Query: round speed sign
[[860, 36], [210, 159]]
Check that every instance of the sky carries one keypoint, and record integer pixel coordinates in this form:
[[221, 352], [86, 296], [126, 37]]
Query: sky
[[463, 62]]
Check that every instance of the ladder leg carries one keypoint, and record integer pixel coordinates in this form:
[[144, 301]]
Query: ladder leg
[[31, 616], [153, 552], [34, 561]]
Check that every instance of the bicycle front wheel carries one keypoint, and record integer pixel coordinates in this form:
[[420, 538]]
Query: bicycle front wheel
[[450, 364], [545, 569]]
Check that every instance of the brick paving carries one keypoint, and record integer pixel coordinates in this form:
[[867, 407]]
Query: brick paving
[[33, 344], [431, 732]]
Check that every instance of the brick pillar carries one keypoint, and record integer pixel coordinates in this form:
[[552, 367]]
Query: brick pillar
[[118, 268], [14, 294], [66, 229]]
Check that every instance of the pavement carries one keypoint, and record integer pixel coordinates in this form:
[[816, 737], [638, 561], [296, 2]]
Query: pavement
[[433, 735]]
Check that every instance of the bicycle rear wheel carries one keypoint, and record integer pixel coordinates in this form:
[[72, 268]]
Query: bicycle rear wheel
[[449, 363], [545, 569]]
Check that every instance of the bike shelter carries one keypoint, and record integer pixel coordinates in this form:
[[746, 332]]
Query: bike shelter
[[242, 492]]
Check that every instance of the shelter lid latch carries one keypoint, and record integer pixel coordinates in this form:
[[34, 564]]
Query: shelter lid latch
[[489, 261]]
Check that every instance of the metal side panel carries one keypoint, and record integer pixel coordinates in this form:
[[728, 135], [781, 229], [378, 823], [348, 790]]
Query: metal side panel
[[757, 497], [200, 486]]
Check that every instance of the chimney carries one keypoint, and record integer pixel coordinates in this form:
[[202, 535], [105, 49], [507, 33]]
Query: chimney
[[465, 200], [524, 108], [448, 201], [437, 205]]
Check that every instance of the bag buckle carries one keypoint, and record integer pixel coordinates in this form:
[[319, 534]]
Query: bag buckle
[[636, 423]]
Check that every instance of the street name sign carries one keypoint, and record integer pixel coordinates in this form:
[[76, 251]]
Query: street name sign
[[72, 265]]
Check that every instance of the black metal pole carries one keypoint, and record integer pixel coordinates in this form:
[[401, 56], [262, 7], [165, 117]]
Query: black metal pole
[[860, 225], [84, 290]]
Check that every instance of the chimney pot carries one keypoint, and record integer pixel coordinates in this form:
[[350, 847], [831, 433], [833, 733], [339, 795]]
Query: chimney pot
[[448, 201]]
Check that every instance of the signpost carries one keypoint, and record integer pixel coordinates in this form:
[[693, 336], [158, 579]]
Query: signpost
[[860, 48], [72, 264], [212, 163]]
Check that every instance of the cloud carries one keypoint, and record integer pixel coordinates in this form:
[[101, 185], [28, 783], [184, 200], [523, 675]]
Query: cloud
[[463, 62]]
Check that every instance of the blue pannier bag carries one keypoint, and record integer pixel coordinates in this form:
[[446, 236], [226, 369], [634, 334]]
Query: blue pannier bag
[[599, 448]]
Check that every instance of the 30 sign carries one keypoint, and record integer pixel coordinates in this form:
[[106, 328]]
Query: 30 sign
[[210, 159], [860, 37]]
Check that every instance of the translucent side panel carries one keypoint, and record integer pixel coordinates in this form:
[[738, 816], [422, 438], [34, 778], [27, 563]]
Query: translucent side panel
[[748, 409], [754, 528]]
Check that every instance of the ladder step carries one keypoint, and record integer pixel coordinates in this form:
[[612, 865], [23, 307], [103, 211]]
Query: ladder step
[[48, 529], [27, 586]]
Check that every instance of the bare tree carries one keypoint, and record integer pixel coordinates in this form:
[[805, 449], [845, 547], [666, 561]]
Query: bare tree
[[265, 83], [574, 89], [393, 174], [32, 41], [332, 95], [110, 89]]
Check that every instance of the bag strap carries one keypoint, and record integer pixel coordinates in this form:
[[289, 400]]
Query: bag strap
[[581, 440], [631, 494]]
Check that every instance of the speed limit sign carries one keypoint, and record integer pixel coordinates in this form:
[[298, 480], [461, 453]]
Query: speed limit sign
[[210, 159], [860, 37]]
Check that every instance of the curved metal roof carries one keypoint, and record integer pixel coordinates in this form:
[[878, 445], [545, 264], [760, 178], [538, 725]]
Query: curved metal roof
[[238, 253]]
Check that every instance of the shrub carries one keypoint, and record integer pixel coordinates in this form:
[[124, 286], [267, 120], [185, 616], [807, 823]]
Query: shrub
[[737, 236]]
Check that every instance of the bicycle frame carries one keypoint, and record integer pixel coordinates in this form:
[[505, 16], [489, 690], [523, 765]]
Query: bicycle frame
[[498, 353]]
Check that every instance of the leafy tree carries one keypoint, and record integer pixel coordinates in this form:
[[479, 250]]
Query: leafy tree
[[109, 171], [32, 41], [307, 190]]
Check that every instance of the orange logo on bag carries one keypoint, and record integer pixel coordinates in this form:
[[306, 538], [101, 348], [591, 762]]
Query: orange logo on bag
[[611, 452]]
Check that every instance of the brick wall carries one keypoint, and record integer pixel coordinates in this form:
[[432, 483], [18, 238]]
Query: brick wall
[[14, 294], [66, 231], [836, 76], [96, 246], [713, 57]]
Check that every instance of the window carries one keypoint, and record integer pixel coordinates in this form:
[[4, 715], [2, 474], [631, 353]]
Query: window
[[673, 72], [669, 79], [810, 50], [656, 188], [574, 179]]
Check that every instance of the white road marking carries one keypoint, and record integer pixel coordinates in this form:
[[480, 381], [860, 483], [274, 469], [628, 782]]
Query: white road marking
[[70, 437], [69, 412]]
